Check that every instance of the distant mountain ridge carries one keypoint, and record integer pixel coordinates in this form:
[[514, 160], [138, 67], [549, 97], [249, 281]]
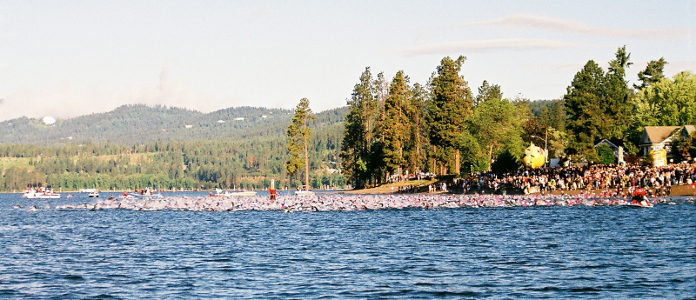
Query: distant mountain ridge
[[142, 124]]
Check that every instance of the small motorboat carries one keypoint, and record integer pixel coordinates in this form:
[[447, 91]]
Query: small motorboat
[[240, 194], [93, 194], [640, 200], [304, 191], [143, 194], [234, 193], [639, 205], [40, 193]]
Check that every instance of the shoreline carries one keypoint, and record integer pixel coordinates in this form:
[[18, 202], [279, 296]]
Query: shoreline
[[386, 189], [676, 191]]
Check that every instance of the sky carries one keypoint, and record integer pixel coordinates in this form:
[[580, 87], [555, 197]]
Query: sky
[[72, 58]]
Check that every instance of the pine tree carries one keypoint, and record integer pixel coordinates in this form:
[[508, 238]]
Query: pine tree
[[299, 134], [359, 131], [486, 92], [451, 104], [376, 161], [617, 98], [586, 120], [653, 73], [416, 155], [396, 123]]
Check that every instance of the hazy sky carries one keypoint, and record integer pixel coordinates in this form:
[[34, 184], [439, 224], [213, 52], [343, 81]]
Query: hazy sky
[[69, 58]]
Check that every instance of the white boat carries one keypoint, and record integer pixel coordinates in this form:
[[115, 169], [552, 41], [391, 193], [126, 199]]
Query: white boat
[[240, 194], [143, 193], [640, 201], [151, 195], [219, 193], [642, 204], [40, 194], [93, 194], [304, 191]]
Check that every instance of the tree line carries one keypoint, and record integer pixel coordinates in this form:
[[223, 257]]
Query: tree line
[[189, 165], [390, 128], [394, 128]]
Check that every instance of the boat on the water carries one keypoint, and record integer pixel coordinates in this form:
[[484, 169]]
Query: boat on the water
[[220, 193], [141, 196], [240, 194], [634, 205], [640, 199], [93, 194], [143, 193], [40, 193], [304, 191]]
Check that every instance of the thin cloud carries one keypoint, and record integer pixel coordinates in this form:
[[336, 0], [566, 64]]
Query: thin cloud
[[559, 25], [489, 46]]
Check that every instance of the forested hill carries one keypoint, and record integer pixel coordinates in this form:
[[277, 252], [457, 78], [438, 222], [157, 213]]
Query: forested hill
[[141, 124], [137, 146]]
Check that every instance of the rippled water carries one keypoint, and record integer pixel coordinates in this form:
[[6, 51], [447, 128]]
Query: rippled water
[[543, 252]]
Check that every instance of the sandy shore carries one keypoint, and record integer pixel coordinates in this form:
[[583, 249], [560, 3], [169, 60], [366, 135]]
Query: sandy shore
[[677, 190]]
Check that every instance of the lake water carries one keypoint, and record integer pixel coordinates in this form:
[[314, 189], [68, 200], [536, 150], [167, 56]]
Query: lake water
[[537, 252]]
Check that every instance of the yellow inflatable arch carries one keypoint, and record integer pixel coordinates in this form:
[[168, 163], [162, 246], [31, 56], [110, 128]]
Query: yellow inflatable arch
[[534, 157]]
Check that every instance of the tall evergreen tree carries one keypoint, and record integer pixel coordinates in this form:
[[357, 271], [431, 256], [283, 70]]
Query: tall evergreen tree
[[416, 153], [359, 131], [450, 105], [653, 73], [602, 105], [396, 123], [298, 134], [617, 98], [586, 120], [377, 167], [486, 92]]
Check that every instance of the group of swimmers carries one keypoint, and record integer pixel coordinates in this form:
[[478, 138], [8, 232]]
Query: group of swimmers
[[342, 202]]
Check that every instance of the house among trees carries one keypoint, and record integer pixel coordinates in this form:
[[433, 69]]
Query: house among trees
[[661, 137], [614, 148]]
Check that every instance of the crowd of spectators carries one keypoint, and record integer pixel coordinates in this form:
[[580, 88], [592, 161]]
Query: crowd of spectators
[[411, 176], [590, 177]]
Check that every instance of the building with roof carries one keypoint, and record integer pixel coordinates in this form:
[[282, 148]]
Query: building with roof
[[616, 148], [661, 137]]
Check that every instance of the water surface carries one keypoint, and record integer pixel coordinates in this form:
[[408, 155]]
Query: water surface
[[538, 252]]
